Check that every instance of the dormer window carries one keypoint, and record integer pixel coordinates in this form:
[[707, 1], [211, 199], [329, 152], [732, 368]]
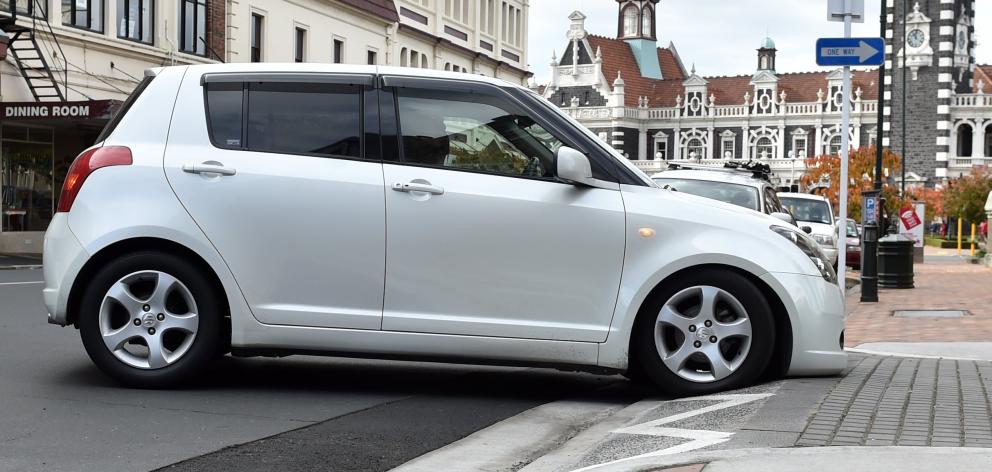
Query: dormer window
[[630, 21]]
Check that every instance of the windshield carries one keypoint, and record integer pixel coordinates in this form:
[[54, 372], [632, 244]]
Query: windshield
[[812, 211], [735, 194], [852, 229]]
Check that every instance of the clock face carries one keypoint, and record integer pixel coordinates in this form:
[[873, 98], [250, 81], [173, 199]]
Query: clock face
[[916, 38], [962, 40]]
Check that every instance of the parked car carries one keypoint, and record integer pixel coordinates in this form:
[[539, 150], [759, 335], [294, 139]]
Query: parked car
[[814, 214], [745, 187], [853, 245], [272, 209]]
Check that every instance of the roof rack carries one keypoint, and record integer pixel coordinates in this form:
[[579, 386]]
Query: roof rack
[[757, 169]]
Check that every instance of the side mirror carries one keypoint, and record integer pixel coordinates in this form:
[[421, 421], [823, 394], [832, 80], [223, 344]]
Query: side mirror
[[807, 229], [573, 167], [785, 217]]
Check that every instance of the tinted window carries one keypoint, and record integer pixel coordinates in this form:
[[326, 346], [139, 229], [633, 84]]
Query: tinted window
[[224, 107], [472, 131], [740, 195], [316, 119]]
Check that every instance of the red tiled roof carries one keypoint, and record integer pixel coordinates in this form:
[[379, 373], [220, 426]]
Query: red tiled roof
[[799, 87], [384, 9]]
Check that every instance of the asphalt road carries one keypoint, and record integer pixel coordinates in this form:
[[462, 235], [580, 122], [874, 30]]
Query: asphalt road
[[59, 413]]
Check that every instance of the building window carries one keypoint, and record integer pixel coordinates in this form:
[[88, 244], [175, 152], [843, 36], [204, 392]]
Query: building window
[[646, 26], [660, 151], [457, 10], [799, 147], [372, 57], [727, 146], [630, 21], [338, 51], [33, 8], [26, 178], [487, 16], [511, 24], [300, 49], [193, 27], [136, 20], [695, 149], [764, 148], [256, 37], [834, 145], [85, 14]]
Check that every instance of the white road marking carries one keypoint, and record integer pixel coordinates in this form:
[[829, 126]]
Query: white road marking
[[23, 283], [699, 438]]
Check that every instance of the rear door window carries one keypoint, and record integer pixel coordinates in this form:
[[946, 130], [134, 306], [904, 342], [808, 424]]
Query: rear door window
[[313, 119]]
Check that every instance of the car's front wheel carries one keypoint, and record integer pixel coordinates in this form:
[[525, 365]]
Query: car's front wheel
[[711, 330], [150, 320]]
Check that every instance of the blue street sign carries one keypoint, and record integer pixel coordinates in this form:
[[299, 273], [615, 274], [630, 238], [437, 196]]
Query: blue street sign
[[871, 209], [850, 51]]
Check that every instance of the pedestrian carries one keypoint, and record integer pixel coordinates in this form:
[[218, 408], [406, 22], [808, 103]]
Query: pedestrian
[[983, 231]]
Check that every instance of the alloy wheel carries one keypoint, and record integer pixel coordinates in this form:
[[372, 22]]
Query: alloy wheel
[[703, 334], [148, 319]]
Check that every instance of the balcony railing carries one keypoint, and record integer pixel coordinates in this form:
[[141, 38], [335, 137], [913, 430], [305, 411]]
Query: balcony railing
[[810, 109], [972, 100]]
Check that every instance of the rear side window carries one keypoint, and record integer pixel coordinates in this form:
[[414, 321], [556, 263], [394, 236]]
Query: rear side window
[[316, 119], [224, 107], [112, 124]]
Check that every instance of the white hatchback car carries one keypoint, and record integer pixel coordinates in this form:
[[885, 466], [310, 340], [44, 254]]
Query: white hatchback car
[[268, 209]]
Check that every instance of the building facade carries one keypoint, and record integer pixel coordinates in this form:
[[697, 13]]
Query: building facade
[[71, 63], [640, 98], [474, 36]]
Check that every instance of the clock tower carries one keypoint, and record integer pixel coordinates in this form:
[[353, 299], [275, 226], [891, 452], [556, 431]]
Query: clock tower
[[939, 59]]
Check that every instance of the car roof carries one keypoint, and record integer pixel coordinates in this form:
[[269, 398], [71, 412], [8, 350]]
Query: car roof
[[803, 196], [316, 67], [715, 175]]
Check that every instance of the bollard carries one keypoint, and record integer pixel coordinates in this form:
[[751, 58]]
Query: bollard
[[959, 235], [973, 240]]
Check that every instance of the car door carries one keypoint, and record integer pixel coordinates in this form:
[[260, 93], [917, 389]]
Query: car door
[[481, 238], [287, 191]]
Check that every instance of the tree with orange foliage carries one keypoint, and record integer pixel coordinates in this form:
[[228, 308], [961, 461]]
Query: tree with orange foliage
[[824, 172]]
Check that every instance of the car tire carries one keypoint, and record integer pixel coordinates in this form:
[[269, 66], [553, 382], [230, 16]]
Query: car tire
[[679, 343], [150, 320]]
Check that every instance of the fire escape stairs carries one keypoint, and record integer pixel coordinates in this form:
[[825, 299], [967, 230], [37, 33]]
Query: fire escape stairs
[[31, 61]]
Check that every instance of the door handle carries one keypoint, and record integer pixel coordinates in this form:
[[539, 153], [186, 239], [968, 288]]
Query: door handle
[[209, 168], [418, 187]]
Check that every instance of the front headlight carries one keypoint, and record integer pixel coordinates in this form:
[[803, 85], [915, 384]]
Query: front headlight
[[810, 248], [824, 240]]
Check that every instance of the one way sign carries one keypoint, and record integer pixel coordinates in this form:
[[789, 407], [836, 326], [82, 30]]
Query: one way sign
[[850, 51]]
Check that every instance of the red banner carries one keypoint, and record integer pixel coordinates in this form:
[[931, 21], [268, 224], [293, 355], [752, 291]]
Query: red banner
[[909, 217]]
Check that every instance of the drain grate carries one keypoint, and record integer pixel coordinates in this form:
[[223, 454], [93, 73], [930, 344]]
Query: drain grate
[[930, 313]]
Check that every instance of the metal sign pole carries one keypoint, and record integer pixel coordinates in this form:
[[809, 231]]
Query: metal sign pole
[[845, 129]]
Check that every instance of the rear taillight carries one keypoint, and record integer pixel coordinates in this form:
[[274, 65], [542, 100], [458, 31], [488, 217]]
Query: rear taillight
[[84, 165]]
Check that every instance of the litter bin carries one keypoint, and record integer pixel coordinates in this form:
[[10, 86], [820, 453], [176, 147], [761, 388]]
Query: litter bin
[[895, 262]]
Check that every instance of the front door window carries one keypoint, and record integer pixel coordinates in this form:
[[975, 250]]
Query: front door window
[[26, 178]]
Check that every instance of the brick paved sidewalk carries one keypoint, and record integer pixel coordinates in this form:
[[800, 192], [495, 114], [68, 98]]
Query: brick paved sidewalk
[[891, 401], [939, 286]]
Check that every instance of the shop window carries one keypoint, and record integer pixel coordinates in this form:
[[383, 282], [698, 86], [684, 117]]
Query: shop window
[[27, 186], [85, 14], [193, 27], [473, 132], [136, 20], [311, 119]]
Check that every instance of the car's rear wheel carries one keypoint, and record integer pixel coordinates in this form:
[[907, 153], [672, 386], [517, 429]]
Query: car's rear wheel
[[711, 330], [150, 320]]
